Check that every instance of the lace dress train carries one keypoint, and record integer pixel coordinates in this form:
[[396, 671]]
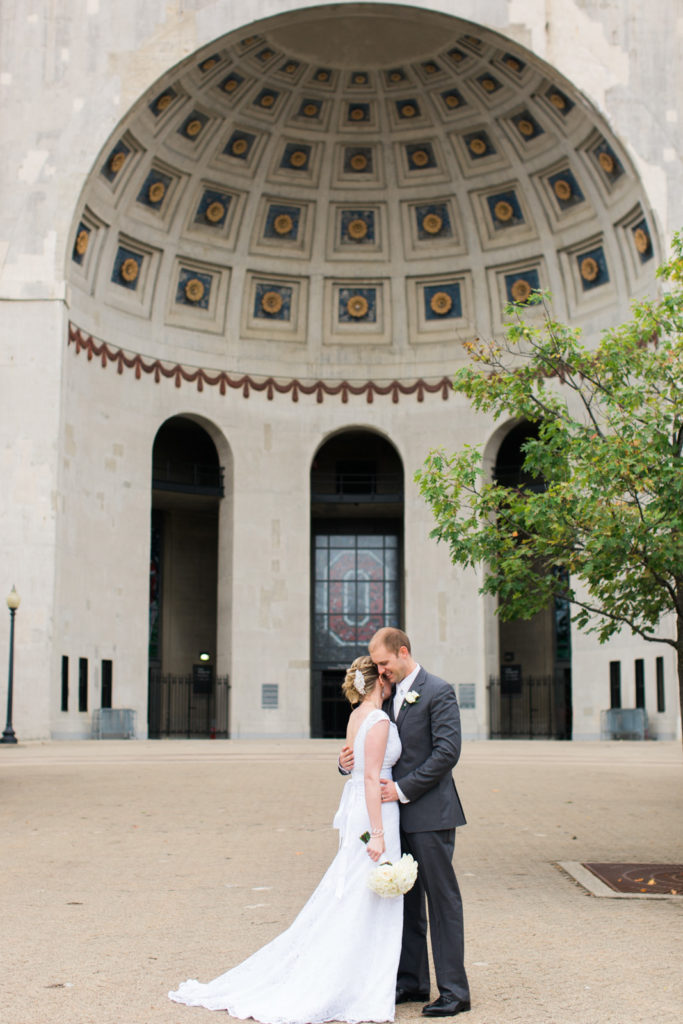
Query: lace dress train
[[338, 959]]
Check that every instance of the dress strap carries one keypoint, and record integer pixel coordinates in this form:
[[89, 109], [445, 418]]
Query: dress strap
[[374, 717]]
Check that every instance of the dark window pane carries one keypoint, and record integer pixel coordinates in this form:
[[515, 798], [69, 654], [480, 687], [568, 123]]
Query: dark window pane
[[661, 701], [342, 541], [321, 597], [356, 476], [640, 682], [107, 677], [65, 683], [615, 684], [82, 684]]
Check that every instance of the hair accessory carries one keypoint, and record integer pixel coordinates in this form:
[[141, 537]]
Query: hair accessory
[[359, 681]]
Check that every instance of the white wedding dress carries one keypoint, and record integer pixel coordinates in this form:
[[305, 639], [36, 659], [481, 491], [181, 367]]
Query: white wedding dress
[[339, 958]]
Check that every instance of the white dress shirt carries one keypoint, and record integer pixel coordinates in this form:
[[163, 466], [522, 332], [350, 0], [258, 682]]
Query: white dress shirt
[[402, 689]]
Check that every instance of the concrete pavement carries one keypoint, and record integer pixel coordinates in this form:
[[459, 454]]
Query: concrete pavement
[[129, 866]]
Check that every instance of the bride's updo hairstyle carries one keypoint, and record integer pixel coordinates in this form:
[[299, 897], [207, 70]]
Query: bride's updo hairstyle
[[353, 688]]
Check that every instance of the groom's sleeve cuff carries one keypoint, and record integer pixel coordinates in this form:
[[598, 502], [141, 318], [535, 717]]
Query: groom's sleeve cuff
[[402, 797]]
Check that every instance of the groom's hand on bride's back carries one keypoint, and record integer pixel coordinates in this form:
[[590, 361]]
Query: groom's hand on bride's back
[[346, 760]]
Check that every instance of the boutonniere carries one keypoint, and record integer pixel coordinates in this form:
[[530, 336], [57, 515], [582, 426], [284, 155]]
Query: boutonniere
[[412, 697]]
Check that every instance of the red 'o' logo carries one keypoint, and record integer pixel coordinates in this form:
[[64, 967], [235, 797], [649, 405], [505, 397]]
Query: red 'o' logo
[[355, 595]]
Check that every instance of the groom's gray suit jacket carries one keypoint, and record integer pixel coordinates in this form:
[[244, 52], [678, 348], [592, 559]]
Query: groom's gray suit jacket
[[431, 739]]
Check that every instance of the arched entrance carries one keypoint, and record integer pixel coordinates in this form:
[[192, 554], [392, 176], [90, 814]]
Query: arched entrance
[[357, 541], [185, 696], [532, 695]]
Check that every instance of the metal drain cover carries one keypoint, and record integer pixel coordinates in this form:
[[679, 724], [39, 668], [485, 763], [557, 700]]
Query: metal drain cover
[[661, 879]]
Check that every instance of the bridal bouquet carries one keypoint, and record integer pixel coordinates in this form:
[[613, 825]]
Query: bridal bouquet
[[389, 879]]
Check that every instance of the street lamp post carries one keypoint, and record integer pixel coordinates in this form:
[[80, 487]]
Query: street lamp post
[[13, 602]]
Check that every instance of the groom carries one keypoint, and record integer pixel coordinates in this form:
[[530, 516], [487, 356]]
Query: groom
[[426, 713]]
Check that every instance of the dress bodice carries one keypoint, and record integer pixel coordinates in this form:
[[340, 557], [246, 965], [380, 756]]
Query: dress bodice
[[391, 754]]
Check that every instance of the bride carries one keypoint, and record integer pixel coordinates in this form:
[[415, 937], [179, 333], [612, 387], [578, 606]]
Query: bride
[[338, 959]]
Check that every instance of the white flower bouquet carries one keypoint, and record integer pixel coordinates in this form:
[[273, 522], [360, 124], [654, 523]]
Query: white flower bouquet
[[389, 879]]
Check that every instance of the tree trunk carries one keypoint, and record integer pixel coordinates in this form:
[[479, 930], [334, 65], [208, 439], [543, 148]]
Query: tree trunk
[[679, 663]]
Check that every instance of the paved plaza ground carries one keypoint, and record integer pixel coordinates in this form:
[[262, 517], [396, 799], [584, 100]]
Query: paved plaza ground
[[129, 866]]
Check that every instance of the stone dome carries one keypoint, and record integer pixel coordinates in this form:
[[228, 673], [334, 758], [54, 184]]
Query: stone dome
[[352, 192]]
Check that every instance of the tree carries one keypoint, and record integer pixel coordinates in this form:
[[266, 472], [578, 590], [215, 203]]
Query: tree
[[605, 532]]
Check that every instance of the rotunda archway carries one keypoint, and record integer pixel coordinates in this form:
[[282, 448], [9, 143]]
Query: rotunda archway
[[357, 561], [185, 695], [532, 696]]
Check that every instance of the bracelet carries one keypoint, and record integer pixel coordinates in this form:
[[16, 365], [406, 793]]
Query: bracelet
[[377, 832]]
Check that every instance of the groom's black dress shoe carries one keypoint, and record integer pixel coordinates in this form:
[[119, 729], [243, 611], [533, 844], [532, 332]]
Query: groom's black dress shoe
[[446, 1007], [404, 995]]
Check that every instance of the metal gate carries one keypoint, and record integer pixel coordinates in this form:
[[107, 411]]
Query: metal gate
[[186, 706], [530, 707]]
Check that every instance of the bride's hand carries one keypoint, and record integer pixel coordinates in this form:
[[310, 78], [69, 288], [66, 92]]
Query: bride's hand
[[376, 848]]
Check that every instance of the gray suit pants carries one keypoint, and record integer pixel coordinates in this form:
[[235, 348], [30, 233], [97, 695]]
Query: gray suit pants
[[436, 881]]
